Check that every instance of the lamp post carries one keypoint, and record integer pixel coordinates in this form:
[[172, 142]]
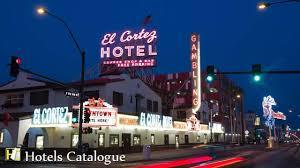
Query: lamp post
[[240, 97], [43, 11], [210, 90], [265, 5]]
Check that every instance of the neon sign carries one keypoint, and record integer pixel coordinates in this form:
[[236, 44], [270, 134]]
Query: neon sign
[[155, 121], [196, 74], [269, 114], [129, 49], [101, 113], [51, 117]]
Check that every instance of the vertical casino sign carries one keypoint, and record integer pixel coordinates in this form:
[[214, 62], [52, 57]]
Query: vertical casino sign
[[129, 49], [196, 72]]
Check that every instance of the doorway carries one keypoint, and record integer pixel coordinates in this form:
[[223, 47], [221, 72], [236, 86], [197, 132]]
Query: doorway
[[25, 141], [186, 139], [126, 139], [166, 139]]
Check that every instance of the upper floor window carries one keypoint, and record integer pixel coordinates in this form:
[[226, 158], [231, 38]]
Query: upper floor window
[[155, 106], [14, 100], [117, 98], [39, 98], [149, 105], [91, 94]]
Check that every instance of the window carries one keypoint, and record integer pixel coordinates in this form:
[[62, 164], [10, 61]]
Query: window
[[39, 98], [101, 140], [149, 105], [136, 140], [91, 94], [75, 139], [131, 101], [181, 115], [152, 139], [14, 100], [114, 140], [117, 98], [155, 106], [1, 137], [39, 142]]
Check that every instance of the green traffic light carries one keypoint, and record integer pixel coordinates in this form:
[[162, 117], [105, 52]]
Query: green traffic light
[[209, 78], [257, 78], [74, 120]]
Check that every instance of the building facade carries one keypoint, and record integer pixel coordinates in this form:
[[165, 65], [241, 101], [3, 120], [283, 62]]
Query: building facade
[[222, 102], [38, 114]]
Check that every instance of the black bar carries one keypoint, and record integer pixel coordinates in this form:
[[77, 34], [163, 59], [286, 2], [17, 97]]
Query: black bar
[[45, 77], [283, 72], [263, 72]]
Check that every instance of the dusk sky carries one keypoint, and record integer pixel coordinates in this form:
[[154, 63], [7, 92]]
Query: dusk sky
[[234, 35]]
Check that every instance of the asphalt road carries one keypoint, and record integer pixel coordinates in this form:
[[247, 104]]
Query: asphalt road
[[283, 157]]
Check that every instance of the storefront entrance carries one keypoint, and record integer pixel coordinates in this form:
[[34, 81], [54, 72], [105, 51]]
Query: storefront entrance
[[186, 139], [166, 139], [126, 139], [216, 136]]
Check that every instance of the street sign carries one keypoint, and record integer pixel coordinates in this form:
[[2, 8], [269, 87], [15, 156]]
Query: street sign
[[71, 94]]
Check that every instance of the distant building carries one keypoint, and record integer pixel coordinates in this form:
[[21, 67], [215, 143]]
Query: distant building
[[223, 97], [250, 118]]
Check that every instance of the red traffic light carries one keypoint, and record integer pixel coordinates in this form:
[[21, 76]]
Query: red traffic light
[[15, 63], [18, 61]]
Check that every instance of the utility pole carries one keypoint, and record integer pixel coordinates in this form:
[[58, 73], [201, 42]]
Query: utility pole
[[231, 119], [43, 11], [211, 125]]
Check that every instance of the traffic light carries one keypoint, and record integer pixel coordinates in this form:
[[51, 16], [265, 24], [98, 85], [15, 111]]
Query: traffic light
[[75, 116], [15, 63], [87, 115], [211, 75], [256, 71], [87, 130]]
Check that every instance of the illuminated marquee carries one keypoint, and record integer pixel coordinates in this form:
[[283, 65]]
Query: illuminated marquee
[[196, 74], [129, 49], [51, 117], [101, 113], [155, 121]]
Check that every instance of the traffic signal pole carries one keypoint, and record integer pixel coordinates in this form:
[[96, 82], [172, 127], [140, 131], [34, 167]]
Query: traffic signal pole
[[263, 72], [81, 101], [45, 77]]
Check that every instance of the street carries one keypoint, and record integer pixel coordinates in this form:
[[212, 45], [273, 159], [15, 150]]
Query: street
[[257, 156]]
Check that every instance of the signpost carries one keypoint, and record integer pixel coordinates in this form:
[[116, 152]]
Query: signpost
[[196, 72], [51, 117], [129, 49], [155, 120]]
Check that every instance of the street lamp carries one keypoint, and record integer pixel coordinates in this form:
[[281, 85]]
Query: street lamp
[[42, 11], [265, 5], [239, 96]]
